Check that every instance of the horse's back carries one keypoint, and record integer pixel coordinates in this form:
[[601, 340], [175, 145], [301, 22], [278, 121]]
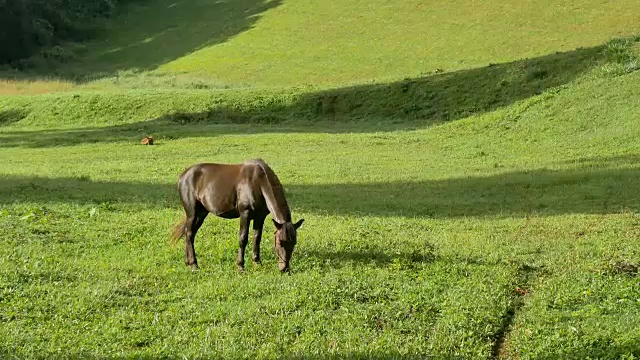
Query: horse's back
[[223, 189]]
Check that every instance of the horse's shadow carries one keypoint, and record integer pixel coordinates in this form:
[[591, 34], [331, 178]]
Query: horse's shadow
[[374, 258]]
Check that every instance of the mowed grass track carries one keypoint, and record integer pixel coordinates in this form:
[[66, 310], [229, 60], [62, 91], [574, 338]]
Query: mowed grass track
[[489, 212]]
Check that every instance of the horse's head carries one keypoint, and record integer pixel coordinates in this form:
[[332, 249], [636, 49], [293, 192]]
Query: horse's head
[[285, 241]]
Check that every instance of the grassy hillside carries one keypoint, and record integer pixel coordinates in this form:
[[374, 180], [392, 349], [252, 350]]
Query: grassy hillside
[[249, 43], [471, 198], [319, 42]]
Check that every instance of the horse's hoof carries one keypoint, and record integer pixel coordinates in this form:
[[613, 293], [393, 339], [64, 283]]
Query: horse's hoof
[[194, 267], [240, 269]]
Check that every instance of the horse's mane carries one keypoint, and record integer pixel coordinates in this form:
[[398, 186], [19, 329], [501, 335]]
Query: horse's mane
[[274, 192]]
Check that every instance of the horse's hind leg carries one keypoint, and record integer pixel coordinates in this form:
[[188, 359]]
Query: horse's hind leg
[[195, 218], [243, 237]]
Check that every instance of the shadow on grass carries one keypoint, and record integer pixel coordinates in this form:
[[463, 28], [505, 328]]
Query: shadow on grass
[[147, 34], [405, 259], [10, 116], [587, 190], [546, 192], [409, 104]]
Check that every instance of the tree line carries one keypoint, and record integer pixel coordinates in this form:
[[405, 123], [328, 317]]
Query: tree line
[[28, 26]]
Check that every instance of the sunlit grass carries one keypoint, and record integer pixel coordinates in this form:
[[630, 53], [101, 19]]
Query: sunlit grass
[[336, 43]]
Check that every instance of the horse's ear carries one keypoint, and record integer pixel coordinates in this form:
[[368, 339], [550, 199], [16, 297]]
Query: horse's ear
[[298, 224], [277, 224]]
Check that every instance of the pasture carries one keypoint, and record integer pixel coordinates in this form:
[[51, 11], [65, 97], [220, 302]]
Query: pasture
[[468, 180]]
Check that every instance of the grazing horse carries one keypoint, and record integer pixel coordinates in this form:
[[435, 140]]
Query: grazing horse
[[249, 191]]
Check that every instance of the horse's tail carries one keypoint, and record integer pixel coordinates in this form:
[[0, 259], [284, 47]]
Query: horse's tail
[[178, 231]]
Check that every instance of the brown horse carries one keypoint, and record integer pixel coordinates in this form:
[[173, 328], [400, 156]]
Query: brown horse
[[249, 191]]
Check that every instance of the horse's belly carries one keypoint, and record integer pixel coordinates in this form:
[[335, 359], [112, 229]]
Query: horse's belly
[[230, 214], [219, 200], [227, 199]]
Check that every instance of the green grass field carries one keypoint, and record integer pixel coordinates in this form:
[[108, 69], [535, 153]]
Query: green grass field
[[468, 175]]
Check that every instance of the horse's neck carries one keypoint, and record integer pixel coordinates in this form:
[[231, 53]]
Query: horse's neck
[[276, 203]]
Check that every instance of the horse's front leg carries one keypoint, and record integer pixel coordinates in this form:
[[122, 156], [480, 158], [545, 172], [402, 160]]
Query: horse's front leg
[[243, 238], [258, 223]]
